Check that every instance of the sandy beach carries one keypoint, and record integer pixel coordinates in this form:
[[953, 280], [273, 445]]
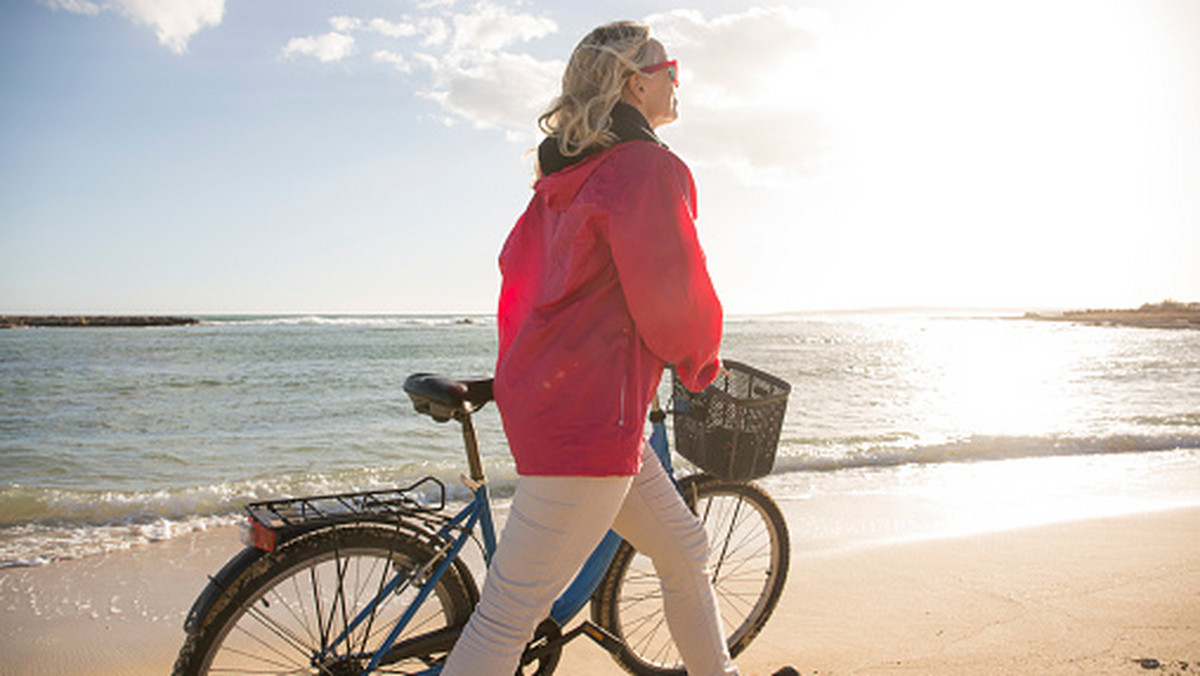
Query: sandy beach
[[1117, 595]]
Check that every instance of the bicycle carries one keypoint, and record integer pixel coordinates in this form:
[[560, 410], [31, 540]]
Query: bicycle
[[374, 582]]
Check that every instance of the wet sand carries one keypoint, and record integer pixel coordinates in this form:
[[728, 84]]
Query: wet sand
[[1117, 595]]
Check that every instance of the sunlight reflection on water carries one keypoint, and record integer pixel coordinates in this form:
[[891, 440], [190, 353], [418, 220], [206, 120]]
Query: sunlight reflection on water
[[856, 507]]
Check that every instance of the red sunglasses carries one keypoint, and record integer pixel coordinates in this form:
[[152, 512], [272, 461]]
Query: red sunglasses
[[671, 66]]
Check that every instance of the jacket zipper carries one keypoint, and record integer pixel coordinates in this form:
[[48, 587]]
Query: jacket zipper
[[624, 384]]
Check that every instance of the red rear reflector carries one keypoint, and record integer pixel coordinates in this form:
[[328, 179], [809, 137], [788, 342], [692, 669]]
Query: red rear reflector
[[254, 534]]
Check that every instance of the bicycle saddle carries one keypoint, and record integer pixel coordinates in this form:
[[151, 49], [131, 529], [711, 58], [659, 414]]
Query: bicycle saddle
[[444, 398]]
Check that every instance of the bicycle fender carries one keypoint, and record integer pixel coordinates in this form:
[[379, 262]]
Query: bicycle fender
[[219, 583], [688, 486]]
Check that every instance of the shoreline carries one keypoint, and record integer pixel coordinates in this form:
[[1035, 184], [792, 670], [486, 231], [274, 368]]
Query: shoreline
[[1165, 315], [89, 321], [938, 498], [1087, 596]]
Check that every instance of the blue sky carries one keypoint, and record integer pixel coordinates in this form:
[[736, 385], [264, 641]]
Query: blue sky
[[294, 156]]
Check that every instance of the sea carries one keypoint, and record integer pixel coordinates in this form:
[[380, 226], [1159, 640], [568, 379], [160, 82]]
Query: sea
[[115, 438]]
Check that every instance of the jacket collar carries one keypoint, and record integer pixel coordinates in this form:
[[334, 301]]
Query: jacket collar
[[628, 124]]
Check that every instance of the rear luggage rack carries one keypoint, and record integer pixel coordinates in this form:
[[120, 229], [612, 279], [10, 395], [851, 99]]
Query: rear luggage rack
[[277, 520]]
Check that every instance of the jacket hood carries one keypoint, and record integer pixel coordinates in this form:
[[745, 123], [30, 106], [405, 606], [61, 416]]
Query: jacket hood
[[561, 187], [626, 123]]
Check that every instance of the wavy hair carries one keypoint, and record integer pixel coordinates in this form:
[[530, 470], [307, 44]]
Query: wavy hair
[[581, 117]]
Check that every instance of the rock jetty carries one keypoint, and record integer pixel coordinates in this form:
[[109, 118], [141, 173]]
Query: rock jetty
[[15, 321], [1168, 314]]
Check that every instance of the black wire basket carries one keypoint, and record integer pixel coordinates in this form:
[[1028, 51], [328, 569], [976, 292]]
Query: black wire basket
[[731, 429]]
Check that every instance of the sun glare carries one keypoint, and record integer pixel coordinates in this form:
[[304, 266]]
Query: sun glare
[[995, 379], [985, 139]]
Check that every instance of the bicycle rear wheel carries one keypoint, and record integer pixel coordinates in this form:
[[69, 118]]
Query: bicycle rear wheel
[[285, 612], [748, 557]]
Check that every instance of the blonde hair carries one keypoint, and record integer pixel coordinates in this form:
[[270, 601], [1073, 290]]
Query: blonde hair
[[581, 117]]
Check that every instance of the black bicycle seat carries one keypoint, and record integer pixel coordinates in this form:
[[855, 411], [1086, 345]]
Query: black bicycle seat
[[444, 398]]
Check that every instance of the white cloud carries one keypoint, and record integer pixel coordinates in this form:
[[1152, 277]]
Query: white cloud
[[396, 60], [345, 24], [747, 71], [325, 48], [752, 70], [428, 60], [501, 90], [174, 21], [393, 29], [478, 80], [742, 71], [761, 146], [74, 6], [436, 32], [459, 58], [740, 54], [433, 28], [489, 27]]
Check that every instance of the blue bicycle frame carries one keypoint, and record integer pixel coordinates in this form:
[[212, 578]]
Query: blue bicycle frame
[[580, 590], [479, 513]]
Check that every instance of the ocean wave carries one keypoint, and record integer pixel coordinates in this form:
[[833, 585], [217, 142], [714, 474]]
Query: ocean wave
[[39, 525], [55, 506], [353, 321], [1177, 420], [35, 544], [883, 452]]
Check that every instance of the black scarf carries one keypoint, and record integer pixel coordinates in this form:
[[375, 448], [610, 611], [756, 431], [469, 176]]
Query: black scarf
[[628, 124]]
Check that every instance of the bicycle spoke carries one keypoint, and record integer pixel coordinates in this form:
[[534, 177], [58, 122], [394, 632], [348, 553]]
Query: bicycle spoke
[[241, 670], [318, 614], [277, 629], [283, 614], [289, 666], [339, 570], [298, 611], [653, 626], [376, 598], [747, 559], [716, 573]]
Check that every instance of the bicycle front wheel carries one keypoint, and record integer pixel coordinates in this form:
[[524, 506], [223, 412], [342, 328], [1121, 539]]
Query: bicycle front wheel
[[289, 611], [748, 558]]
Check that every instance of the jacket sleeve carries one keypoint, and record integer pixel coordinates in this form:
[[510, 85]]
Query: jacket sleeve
[[652, 235]]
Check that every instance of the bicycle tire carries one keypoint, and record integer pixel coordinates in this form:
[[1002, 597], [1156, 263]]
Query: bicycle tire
[[286, 608], [749, 552]]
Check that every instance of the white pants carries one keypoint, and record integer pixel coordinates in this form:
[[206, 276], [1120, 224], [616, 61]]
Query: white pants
[[554, 525]]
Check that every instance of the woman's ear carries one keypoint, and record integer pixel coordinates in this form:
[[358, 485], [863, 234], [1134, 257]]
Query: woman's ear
[[635, 90]]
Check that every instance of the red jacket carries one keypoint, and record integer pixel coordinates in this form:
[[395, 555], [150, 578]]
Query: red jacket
[[604, 284]]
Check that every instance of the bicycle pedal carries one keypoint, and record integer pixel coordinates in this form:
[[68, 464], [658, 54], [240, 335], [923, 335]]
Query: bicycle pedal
[[602, 637]]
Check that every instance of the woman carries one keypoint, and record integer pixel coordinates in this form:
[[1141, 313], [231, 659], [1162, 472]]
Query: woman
[[604, 284]]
